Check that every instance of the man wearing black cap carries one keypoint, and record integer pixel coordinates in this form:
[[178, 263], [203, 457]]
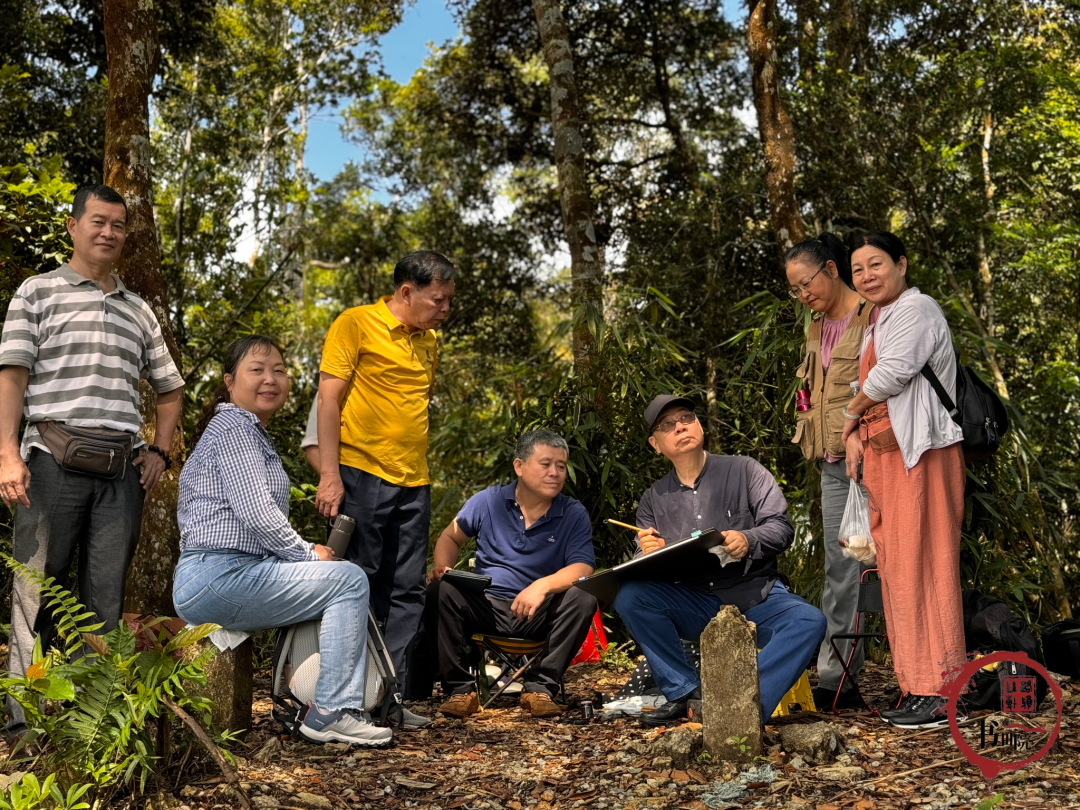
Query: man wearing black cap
[[740, 498]]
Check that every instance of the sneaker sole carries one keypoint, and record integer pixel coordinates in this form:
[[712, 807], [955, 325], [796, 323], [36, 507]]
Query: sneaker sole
[[941, 721], [321, 737]]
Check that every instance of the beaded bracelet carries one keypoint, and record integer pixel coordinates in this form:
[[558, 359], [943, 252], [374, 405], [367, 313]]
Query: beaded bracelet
[[153, 448]]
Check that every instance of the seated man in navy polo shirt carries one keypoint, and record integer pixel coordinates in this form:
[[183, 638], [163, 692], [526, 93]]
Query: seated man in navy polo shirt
[[534, 543]]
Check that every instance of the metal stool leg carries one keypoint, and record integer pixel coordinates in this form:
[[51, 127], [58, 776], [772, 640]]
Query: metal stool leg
[[513, 678]]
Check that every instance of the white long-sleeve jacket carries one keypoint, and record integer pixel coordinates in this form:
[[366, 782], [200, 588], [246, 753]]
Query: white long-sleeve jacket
[[910, 331]]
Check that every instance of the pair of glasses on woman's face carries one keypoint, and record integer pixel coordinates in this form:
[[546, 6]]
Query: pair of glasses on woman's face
[[668, 425], [804, 286]]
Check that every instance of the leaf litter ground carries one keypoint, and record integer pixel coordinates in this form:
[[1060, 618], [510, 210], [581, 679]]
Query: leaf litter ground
[[505, 760]]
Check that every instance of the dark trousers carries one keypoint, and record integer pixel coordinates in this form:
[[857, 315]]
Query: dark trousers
[[562, 620], [71, 512], [390, 543]]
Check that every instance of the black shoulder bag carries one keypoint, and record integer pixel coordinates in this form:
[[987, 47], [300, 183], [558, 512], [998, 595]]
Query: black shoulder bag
[[978, 410]]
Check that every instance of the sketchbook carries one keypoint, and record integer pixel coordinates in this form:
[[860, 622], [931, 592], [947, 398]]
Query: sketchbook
[[672, 563]]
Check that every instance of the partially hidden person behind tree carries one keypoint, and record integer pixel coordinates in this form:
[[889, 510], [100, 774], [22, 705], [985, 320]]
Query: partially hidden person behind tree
[[913, 469], [244, 567], [76, 343], [819, 274], [377, 374], [740, 498], [534, 543], [309, 444]]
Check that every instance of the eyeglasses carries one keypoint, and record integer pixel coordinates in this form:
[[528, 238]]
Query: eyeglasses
[[804, 286], [668, 425]]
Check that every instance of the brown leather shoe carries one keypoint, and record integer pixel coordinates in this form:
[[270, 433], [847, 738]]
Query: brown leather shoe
[[540, 704], [461, 705]]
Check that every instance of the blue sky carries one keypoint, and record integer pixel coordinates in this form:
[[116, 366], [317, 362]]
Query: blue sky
[[403, 52]]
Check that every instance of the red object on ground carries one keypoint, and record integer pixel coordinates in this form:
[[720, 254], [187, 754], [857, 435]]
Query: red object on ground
[[594, 645]]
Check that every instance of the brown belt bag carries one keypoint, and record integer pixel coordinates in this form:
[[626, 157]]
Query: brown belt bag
[[99, 452]]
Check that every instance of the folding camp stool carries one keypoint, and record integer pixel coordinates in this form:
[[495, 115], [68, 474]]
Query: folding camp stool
[[870, 601], [507, 652]]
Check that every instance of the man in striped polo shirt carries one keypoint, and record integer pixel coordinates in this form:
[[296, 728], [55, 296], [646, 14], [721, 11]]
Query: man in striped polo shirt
[[75, 344]]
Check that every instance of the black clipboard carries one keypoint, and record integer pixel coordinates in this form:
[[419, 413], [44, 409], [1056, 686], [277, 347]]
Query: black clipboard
[[673, 563], [468, 581]]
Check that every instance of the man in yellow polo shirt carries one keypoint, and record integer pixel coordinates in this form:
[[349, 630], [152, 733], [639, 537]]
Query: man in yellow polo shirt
[[378, 366]]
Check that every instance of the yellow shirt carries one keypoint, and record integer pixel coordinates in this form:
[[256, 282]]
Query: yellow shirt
[[390, 368]]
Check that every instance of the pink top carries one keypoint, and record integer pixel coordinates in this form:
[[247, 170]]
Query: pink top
[[831, 332]]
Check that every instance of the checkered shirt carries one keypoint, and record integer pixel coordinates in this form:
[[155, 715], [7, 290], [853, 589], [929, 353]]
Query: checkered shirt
[[234, 493]]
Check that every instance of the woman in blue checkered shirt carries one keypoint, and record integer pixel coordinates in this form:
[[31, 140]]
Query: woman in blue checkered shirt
[[244, 567]]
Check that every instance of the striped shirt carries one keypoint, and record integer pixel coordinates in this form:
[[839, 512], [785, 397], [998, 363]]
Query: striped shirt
[[234, 493], [86, 351]]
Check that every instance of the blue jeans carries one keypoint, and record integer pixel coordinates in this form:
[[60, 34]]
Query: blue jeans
[[250, 592], [659, 615]]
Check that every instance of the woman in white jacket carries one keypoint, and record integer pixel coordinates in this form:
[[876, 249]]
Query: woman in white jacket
[[913, 469]]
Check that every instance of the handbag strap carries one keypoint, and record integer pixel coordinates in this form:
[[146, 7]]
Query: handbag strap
[[939, 389]]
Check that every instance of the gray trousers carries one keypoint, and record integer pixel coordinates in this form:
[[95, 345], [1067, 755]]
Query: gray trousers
[[70, 513], [840, 599]]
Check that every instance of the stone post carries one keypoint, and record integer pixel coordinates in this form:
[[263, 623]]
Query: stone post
[[730, 691]]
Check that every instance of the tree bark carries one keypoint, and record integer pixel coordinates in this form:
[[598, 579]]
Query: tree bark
[[131, 42], [774, 124], [842, 34], [806, 12], [586, 255], [986, 279]]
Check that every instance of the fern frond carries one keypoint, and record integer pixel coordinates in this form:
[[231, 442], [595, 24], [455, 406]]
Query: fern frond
[[68, 613]]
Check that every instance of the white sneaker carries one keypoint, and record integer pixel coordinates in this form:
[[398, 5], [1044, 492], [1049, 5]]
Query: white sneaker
[[344, 725]]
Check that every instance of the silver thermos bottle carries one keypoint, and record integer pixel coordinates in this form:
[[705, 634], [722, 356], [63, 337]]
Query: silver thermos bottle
[[341, 534]]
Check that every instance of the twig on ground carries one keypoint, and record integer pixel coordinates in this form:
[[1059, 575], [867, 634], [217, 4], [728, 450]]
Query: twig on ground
[[222, 763], [968, 722], [902, 774]]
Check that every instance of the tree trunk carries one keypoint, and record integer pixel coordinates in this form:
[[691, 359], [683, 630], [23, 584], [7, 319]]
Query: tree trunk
[[586, 256], [842, 34], [662, 79], [985, 277], [774, 124], [806, 13], [131, 41]]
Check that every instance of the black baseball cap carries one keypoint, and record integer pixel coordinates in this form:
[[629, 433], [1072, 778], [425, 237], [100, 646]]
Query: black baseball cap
[[661, 404]]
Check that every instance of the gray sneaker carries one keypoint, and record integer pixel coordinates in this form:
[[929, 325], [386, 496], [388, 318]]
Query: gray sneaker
[[409, 720], [344, 725]]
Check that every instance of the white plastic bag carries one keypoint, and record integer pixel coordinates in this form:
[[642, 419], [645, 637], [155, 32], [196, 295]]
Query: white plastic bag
[[855, 536]]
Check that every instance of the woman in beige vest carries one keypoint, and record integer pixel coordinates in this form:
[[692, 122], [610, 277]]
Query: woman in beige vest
[[819, 275]]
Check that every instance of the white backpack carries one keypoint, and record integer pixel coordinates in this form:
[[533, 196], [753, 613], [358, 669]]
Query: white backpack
[[296, 669]]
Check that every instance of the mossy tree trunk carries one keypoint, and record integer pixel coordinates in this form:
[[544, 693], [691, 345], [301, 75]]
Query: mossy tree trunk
[[131, 42], [586, 255], [774, 125]]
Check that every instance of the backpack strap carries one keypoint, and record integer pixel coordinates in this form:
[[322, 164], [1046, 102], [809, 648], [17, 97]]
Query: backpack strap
[[939, 389]]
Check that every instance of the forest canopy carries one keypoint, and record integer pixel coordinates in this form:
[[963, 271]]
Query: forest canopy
[[954, 124]]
